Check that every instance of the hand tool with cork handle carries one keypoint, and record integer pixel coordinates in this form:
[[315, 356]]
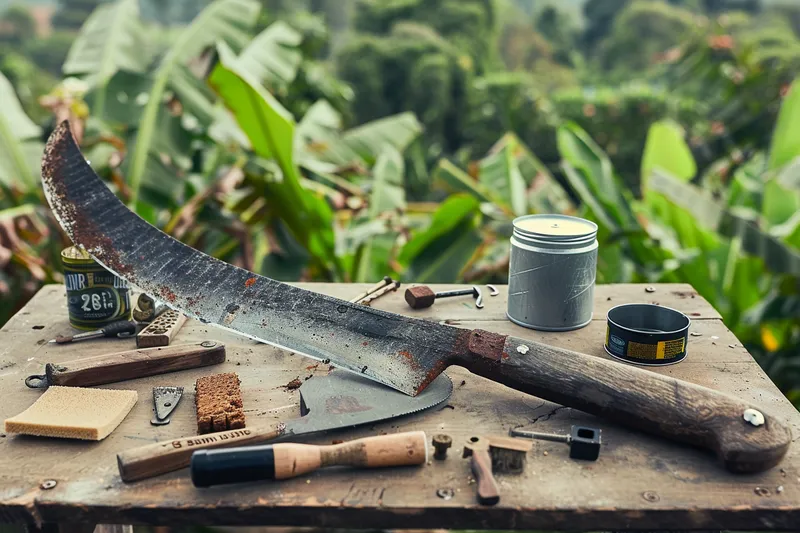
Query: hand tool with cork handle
[[336, 401], [401, 352], [284, 461]]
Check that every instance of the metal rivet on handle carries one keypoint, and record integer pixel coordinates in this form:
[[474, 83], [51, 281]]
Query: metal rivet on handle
[[49, 484], [754, 417], [208, 344]]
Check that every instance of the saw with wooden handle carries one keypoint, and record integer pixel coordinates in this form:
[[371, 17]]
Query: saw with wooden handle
[[284, 461], [133, 364], [401, 352]]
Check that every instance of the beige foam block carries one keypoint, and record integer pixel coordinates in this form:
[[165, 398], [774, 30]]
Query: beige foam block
[[74, 413]]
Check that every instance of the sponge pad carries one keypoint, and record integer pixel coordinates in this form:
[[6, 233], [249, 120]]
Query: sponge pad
[[74, 413]]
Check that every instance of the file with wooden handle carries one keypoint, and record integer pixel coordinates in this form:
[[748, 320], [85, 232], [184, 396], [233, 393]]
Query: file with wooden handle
[[110, 368], [284, 461]]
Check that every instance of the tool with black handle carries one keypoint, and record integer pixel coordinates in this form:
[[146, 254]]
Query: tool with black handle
[[399, 351], [110, 368], [284, 461], [122, 328]]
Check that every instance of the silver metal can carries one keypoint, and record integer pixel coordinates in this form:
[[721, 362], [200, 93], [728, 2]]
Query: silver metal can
[[551, 273]]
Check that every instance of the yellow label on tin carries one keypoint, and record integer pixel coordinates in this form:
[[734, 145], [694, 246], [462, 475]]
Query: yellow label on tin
[[661, 350]]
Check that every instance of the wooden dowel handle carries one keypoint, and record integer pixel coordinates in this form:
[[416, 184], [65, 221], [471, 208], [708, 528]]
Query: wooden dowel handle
[[169, 455], [635, 397], [287, 460]]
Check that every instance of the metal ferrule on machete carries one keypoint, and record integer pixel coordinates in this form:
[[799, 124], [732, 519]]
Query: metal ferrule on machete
[[398, 351]]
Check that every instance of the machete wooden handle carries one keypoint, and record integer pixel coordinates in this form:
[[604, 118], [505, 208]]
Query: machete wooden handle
[[110, 368], [284, 461], [169, 455], [744, 437]]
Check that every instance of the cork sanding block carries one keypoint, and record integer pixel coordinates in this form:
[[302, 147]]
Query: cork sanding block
[[74, 413], [219, 403], [162, 330]]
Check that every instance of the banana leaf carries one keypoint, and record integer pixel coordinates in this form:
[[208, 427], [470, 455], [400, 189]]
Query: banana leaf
[[445, 250], [591, 166], [499, 173], [666, 149], [272, 57], [112, 39], [447, 177], [786, 138], [227, 21], [270, 129], [369, 139], [545, 194], [20, 150], [387, 195], [777, 256]]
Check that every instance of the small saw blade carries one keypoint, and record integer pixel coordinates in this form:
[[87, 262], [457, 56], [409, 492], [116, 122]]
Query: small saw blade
[[166, 400]]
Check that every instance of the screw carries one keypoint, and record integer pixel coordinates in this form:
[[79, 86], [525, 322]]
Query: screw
[[650, 496], [441, 443], [649, 289], [445, 494], [208, 344], [49, 484], [540, 436]]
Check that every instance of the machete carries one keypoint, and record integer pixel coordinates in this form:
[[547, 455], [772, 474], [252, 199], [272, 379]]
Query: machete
[[401, 352]]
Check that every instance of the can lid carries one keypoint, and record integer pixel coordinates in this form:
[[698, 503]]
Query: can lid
[[78, 254], [555, 227]]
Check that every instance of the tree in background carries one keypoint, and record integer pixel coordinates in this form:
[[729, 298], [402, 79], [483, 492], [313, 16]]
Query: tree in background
[[642, 31], [556, 26], [599, 15], [420, 56], [169, 12], [71, 14], [17, 26]]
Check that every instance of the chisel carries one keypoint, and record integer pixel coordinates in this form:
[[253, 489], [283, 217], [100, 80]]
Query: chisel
[[284, 461]]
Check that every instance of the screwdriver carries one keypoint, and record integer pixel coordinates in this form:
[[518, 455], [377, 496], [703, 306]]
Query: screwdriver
[[122, 328]]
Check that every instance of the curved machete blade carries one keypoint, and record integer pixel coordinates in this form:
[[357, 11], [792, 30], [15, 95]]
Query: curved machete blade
[[398, 351]]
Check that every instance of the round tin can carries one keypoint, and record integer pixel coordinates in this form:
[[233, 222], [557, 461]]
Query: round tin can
[[552, 272], [95, 296], [647, 334]]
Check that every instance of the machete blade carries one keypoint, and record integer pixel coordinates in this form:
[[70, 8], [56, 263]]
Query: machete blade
[[342, 399], [398, 351]]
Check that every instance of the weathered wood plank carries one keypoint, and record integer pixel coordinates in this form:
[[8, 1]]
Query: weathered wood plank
[[639, 481]]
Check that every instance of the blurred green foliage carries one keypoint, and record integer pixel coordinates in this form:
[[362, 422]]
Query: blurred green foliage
[[326, 140]]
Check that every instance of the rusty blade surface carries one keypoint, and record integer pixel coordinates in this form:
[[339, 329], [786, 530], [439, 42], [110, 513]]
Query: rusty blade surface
[[398, 351]]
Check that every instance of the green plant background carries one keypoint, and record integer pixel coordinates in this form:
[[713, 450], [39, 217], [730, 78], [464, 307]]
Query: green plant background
[[347, 140]]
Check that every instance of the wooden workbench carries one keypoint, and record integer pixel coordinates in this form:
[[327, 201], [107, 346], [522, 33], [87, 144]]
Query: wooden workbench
[[639, 482]]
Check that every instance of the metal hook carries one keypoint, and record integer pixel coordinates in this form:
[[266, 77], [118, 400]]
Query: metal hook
[[493, 289], [37, 381], [476, 292]]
